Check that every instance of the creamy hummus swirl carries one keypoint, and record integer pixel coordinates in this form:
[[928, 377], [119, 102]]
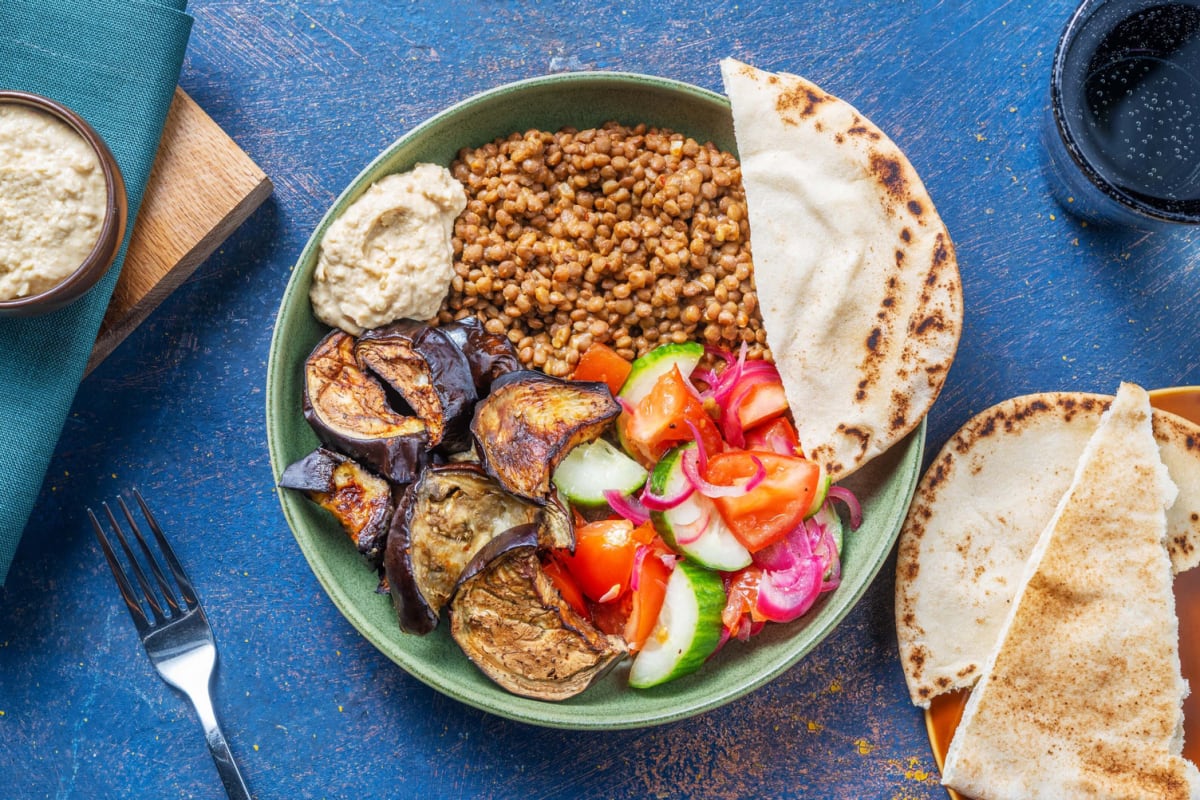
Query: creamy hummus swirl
[[52, 200], [389, 255]]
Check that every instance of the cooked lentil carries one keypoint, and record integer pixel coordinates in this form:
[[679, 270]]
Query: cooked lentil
[[627, 236]]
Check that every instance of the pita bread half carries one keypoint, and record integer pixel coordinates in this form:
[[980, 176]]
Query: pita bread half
[[1082, 695], [855, 273], [977, 514]]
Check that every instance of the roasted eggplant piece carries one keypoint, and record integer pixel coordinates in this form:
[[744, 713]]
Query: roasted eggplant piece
[[424, 366], [348, 410], [359, 500], [511, 621], [530, 421], [446, 516], [489, 354]]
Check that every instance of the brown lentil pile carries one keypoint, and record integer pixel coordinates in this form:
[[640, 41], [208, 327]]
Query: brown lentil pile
[[628, 236]]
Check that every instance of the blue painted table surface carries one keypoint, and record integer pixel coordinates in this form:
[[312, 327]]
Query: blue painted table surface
[[313, 90]]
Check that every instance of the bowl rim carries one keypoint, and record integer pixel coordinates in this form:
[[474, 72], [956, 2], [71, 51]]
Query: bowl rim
[[112, 229], [910, 450]]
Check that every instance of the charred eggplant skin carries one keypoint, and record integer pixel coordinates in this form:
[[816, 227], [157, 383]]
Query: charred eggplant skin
[[515, 538], [349, 412], [360, 501], [413, 611], [313, 473], [530, 421], [517, 629], [445, 517], [424, 366], [489, 354]]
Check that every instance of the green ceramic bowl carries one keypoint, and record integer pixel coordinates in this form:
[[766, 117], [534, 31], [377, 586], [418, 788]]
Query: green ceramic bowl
[[580, 100]]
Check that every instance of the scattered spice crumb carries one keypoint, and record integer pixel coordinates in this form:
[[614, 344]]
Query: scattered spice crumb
[[864, 747], [914, 771], [814, 726], [256, 748]]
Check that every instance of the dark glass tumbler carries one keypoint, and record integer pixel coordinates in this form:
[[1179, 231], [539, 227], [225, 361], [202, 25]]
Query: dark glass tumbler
[[1123, 130]]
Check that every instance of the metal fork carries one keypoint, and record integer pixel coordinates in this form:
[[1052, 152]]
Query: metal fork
[[176, 635]]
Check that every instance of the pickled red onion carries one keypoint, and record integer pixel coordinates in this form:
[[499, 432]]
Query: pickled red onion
[[627, 506], [847, 497]]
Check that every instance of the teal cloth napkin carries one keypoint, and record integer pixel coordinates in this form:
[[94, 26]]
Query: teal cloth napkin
[[116, 63]]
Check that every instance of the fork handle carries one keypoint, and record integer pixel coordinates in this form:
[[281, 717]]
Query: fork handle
[[227, 768]]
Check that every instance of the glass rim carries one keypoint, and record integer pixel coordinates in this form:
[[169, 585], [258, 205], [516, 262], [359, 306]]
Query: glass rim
[[1127, 200]]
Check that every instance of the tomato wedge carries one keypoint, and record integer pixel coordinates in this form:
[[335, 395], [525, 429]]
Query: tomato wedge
[[603, 559], [760, 402], [776, 505], [777, 435], [653, 574], [566, 585], [741, 593], [660, 420], [601, 363]]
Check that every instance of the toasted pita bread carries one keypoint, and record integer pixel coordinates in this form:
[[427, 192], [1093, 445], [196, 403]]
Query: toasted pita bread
[[855, 273], [978, 512], [1082, 695]]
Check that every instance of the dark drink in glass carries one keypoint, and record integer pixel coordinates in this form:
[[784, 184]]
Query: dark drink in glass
[[1124, 128]]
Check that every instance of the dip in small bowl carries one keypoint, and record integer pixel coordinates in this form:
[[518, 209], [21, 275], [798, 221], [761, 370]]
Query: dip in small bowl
[[62, 205]]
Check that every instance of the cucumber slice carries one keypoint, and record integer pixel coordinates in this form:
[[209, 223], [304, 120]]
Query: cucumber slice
[[828, 516], [646, 370], [716, 547], [688, 628], [823, 484], [591, 469]]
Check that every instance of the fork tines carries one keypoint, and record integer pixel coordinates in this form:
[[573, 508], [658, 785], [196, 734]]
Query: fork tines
[[152, 599]]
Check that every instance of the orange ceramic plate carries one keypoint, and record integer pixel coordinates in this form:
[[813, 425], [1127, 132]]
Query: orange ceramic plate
[[946, 710]]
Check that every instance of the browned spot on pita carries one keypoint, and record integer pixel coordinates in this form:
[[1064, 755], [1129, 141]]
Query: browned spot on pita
[[916, 208], [1195, 517], [889, 172], [924, 691], [943, 682], [839, 138], [873, 339], [934, 322], [858, 434], [967, 670], [937, 473], [900, 258], [864, 131], [900, 410], [905, 235], [798, 104]]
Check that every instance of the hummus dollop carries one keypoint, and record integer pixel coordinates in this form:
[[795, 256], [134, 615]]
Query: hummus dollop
[[52, 200], [389, 255]]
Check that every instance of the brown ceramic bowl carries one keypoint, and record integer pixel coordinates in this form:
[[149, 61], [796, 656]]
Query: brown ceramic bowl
[[112, 231]]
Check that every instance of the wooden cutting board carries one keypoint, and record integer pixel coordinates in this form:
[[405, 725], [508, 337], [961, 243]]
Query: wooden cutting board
[[202, 186]]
